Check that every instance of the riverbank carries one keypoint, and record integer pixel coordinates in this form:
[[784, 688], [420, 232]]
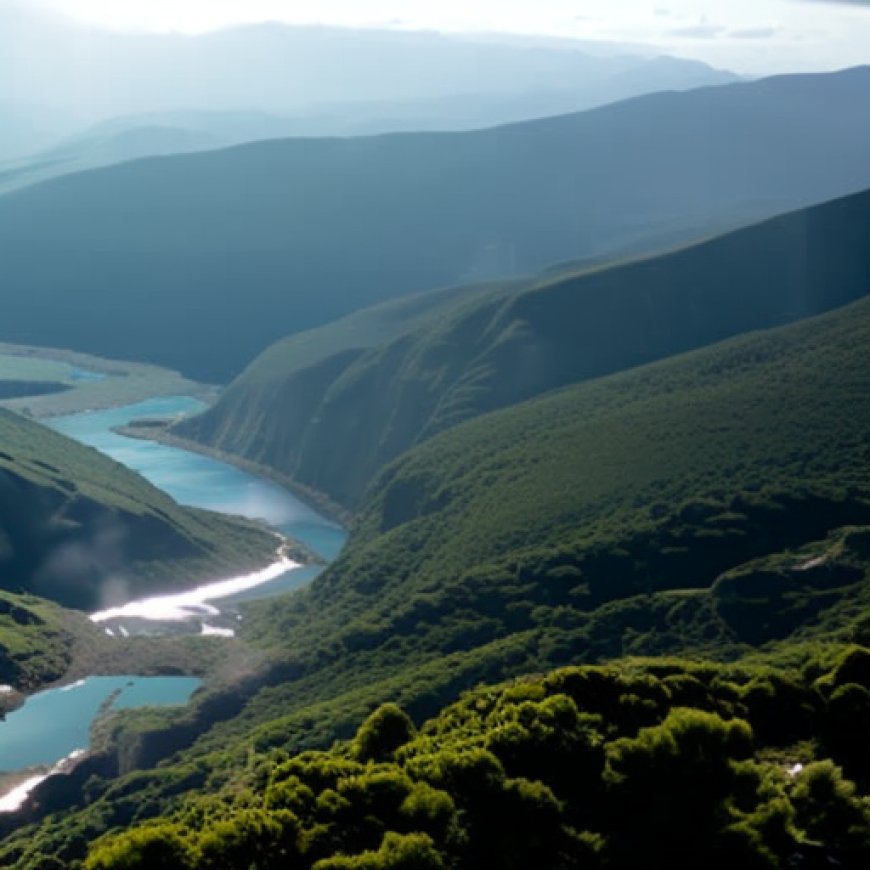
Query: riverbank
[[16, 787], [205, 647], [152, 430]]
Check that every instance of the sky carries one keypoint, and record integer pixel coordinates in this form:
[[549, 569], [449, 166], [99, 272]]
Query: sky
[[748, 36]]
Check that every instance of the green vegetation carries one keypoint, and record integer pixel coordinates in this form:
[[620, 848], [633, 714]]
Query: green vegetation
[[313, 229], [714, 505], [370, 387], [685, 764], [82, 530], [36, 640], [654, 480]]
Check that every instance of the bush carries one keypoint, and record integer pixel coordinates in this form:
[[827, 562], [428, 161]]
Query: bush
[[388, 728]]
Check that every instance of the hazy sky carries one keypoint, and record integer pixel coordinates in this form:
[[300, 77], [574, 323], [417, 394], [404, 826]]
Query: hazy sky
[[754, 36]]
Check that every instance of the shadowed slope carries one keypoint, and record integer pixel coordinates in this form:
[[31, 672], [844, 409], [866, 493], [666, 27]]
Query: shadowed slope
[[329, 408], [199, 261]]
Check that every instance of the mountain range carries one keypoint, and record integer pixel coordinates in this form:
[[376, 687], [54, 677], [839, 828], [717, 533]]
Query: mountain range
[[199, 261], [713, 505], [592, 392], [357, 78]]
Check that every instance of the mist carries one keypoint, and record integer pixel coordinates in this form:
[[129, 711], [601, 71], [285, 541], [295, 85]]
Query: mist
[[58, 77]]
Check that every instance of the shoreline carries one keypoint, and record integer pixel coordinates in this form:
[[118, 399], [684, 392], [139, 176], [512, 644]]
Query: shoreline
[[315, 499], [17, 787]]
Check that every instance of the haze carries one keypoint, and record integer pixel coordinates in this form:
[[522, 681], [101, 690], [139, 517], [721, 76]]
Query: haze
[[750, 36]]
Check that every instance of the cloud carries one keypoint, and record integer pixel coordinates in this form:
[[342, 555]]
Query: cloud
[[864, 3], [698, 31], [754, 33]]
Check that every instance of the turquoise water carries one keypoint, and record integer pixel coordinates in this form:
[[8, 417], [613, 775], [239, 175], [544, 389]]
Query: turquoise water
[[193, 479], [56, 722]]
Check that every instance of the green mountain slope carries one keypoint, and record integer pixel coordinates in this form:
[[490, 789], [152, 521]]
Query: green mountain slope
[[330, 407], [658, 480], [288, 235], [36, 642], [713, 504], [84, 531]]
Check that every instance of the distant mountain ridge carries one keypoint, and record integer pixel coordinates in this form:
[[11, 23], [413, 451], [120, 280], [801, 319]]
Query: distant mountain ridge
[[304, 72], [329, 408], [198, 262], [156, 134]]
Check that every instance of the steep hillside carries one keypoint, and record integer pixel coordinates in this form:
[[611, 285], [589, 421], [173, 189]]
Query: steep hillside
[[36, 643], [84, 531], [329, 408], [672, 477], [200, 261], [715, 504]]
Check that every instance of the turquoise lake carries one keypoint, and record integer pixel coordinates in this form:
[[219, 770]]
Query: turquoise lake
[[56, 722]]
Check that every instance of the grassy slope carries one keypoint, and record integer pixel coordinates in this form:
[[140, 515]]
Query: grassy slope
[[309, 372], [713, 504], [36, 640], [313, 229], [364, 390], [78, 528], [657, 479]]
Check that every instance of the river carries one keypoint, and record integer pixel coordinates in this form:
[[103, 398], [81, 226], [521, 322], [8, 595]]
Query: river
[[194, 479], [54, 725]]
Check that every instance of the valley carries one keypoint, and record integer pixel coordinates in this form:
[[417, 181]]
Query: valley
[[434, 442], [83, 647], [712, 506]]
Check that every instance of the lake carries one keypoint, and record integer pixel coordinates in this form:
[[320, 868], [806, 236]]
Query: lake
[[54, 723]]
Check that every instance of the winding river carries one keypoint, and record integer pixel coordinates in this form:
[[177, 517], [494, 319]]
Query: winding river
[[197, 480], [53, 726]]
